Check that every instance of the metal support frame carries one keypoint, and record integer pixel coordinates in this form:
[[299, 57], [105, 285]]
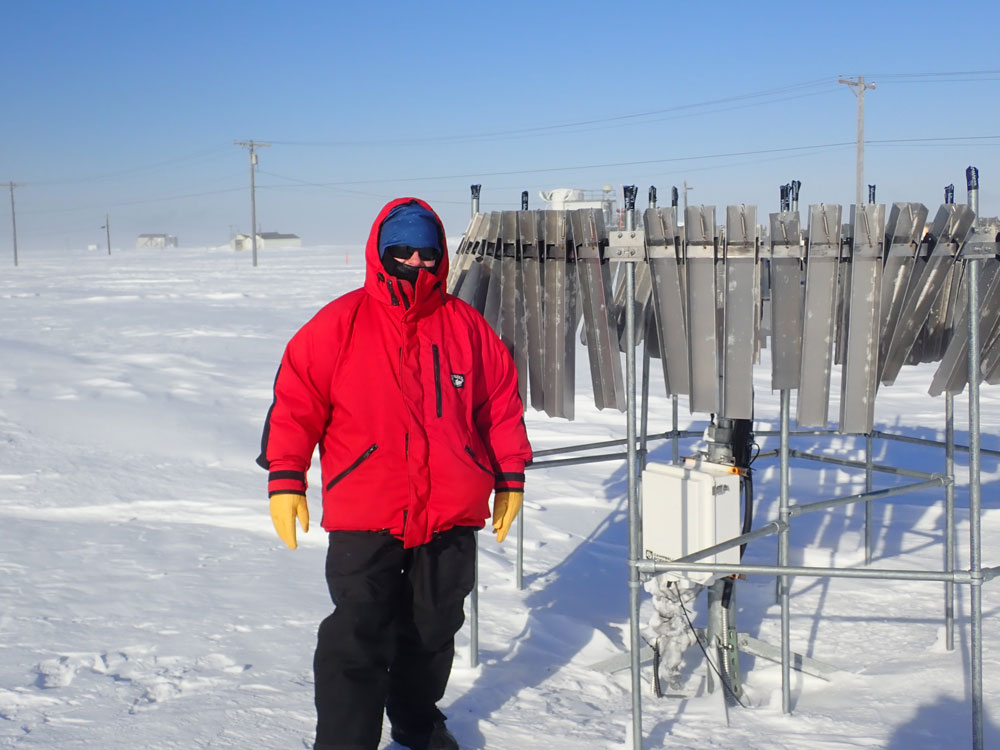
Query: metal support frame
[[975, 576]]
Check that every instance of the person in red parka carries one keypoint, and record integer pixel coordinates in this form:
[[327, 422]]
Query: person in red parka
[[413, 402]]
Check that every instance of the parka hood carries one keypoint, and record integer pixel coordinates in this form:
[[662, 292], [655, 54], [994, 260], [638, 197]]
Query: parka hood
[[386, 288]]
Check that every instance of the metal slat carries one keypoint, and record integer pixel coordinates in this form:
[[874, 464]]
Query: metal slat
[[463, 255], [595, 292], [904, 233], [859, 377], [512, 323], [819, 323], [929, 278], [787, 272], [560, 317], [669, 308], [531, 227], [493, 262], [952, 374], [476, 283], [940, 321], [742, 306], [703, 371]]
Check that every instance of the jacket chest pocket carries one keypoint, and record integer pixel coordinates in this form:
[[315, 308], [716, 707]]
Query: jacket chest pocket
[[451, 391], [436, 356]]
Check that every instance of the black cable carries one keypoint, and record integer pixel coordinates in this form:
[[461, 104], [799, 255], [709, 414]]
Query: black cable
[[703, 650], [743, 457]]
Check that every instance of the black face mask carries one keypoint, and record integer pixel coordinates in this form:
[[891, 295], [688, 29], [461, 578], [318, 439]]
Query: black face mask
[[395, 267], [400, 270]]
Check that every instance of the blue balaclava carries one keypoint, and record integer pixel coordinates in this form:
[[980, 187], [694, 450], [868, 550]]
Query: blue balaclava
[[409, 226]]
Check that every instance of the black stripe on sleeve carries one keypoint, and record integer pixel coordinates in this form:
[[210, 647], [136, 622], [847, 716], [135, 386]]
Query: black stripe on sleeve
[[510, 476], [297, 475]]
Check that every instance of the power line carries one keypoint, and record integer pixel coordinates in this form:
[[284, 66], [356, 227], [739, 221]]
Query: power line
[[927, 77], [130, 170], [161, 199], [666, 160], [578, 123]]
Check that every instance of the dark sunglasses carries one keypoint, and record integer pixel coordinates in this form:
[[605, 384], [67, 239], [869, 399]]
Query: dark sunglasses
[[402, 252]]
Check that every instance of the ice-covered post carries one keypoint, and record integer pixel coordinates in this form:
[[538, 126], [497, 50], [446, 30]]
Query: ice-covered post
[[474, 594], [634, 544], [975, 498], [519, 562], [972, 184], [675, 440], [949, 520], [784, 515], [475, 198], [949, 496]]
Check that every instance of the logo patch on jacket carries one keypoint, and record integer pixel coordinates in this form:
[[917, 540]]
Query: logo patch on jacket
[[457, 380]]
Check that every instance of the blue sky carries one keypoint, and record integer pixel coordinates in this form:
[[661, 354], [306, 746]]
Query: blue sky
[[132, 108]]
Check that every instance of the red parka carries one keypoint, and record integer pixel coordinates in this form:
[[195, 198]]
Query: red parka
[[412, 399]]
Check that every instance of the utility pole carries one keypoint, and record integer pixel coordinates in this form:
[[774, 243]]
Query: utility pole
[[13, 217], [252, 145], [107, 226], [686, 188], [859, 86]]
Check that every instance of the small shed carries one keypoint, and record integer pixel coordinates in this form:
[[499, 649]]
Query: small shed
[[156, 240], [266, 240]]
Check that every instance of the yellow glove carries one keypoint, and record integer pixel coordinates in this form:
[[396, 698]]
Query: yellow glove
[[285, 506], [506, 505]]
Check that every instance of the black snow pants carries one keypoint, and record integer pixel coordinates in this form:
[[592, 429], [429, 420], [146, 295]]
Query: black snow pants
[[390, 642]]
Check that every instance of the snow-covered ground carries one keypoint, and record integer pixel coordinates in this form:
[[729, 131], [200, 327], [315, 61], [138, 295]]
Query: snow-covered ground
[[145, 601]]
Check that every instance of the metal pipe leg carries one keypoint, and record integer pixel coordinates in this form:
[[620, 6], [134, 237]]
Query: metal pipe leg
[[783, 540], [519, 574], [949, 521], [634, 552], [975, 529], [868, 505], [474, 616]]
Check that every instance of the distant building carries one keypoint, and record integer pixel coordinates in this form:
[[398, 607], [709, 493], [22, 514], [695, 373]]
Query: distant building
[[265, 241], [156, 240], [568, 199]]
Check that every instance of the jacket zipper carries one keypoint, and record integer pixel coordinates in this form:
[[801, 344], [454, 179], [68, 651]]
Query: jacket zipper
[[392, 294], [357, 462], [476, 461], [402, 293], [437, 379]]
